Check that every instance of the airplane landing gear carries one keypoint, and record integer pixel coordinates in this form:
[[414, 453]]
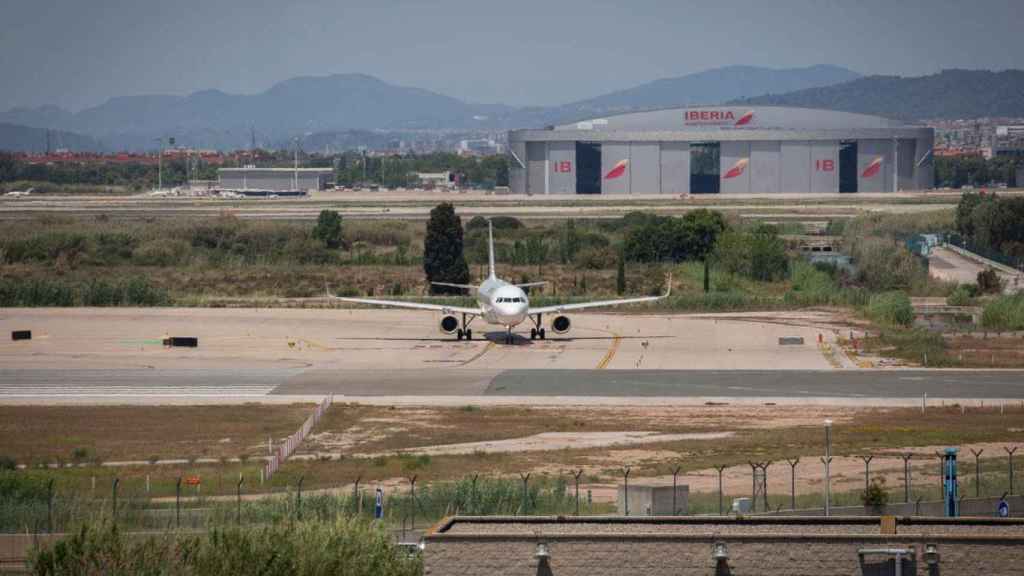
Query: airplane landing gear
[[467, 334], [538, 330], [508, 336]]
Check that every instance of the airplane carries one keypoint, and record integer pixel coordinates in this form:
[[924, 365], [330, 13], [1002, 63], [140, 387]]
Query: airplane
[[501, 303], [19, 193]]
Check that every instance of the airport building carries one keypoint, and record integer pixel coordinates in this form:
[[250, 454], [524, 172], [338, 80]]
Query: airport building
[[277, 181], [723, 149]]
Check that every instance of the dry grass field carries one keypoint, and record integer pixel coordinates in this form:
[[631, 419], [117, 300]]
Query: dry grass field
[[35, 434]]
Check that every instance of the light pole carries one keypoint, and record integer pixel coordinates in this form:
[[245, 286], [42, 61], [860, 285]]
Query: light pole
[[296, 177], [828, 462], [160, 164]]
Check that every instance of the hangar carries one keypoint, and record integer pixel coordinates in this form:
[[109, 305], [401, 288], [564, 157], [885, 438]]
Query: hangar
[[723, 149]]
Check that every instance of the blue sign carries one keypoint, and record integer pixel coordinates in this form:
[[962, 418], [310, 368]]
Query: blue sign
[[1003, 509], [378, 508]]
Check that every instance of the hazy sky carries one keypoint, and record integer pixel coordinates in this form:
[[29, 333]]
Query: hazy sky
[[78, 53]]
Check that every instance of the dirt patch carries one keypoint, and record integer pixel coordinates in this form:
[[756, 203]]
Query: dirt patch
[[561, 441]]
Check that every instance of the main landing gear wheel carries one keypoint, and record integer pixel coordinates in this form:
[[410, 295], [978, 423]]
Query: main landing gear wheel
[[459, 334], [533, 334], [469, 334], [541, 333]]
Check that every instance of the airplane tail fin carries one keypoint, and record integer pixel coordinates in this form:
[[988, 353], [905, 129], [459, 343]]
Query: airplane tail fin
[[490, 248]]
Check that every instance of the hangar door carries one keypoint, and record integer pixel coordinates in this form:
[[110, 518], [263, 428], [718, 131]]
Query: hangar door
[[704, 168], [588, 168]]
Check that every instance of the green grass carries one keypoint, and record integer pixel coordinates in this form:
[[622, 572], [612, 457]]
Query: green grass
[[1004, 313]]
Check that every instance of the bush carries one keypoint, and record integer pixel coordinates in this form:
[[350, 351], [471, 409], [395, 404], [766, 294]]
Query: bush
[[891, 309], [48, 292], [1004, 313], [760, 255], [354, 547], [661, 238], [7, 463], [161, 252], [962, 295], [989, 282], [875, 496], [499, 222], [328, 229], [886, 265]]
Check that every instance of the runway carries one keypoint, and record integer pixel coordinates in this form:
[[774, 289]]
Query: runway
[[108, 356]]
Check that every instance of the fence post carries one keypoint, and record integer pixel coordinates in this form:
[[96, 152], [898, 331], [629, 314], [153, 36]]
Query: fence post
[[720, 469], [827, 461], [625, 491], [357, 496], [177, 503], [792, 482], [576, 477], [906, 476], [298, 501], [238, 500], [942, 474], [1010, 454], [977, 471], [113, 490], [412, 492], [764, 483], [49, 506], [867, 471], [526, 487], [675, 475], [472, 492]]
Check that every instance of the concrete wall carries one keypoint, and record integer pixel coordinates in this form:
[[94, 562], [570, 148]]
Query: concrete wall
[[805, 548]]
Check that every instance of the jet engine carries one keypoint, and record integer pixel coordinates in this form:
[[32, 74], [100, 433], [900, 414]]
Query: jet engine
[[561, 324], [449, 324]]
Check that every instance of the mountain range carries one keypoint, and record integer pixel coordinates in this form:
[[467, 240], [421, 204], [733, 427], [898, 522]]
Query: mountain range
[[950, 94], [358, 102], [303, 105]]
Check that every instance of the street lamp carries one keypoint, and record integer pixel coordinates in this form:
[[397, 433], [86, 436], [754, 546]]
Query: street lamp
[[828, 462], [160, 164]]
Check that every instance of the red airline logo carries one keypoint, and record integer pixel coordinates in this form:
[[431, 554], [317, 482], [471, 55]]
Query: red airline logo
[[618, 170], [745, 119], [718, 117], [737, 169], [563, 166], [873, 169]]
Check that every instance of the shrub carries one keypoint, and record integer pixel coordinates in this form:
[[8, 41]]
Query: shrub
[[760, 255], [328, 229], [661, 238], [962, 295], [355, 547], [891, 309], [886, 265], [1004, 313], [875, 496], [161, 252], [989, 282], [7, 463], [499, 222]]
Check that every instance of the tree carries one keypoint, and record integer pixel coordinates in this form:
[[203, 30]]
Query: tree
[[328, 229], [443, 259]]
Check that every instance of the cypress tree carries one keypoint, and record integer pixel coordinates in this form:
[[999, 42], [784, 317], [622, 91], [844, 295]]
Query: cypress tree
[[443, 260]]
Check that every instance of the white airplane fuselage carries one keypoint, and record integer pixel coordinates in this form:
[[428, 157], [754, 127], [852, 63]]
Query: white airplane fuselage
[[502, 303]]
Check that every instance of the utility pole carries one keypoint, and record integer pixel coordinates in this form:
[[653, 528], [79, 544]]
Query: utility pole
[[160, 164], [828, 462], [296, 182]]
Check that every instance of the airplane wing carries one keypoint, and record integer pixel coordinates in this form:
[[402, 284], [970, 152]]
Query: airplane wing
[[530, 284], [559, 308], [443, 308], [451, 285]]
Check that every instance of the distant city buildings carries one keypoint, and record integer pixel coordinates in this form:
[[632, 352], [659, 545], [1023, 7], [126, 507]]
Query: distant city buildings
[[985, 137]]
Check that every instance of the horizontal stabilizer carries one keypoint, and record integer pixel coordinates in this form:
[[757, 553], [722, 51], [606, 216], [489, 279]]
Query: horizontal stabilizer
[[529, 284]]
